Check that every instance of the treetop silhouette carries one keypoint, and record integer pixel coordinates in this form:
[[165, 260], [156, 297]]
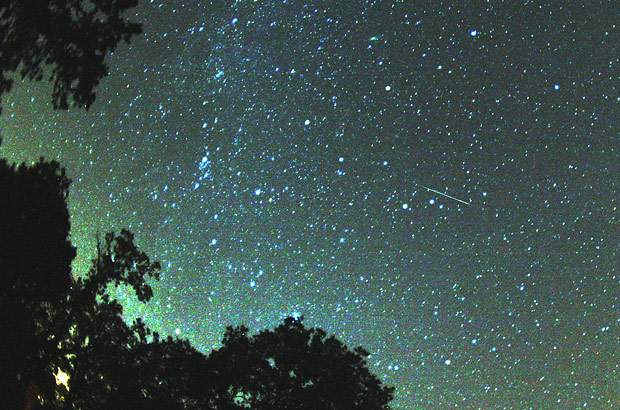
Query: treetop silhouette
[[293, 367], [65, 41]]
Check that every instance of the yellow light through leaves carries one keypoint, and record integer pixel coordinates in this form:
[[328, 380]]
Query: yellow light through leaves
[[62, 378]]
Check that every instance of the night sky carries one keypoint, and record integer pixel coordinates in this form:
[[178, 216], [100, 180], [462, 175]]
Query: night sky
[[282, 158]]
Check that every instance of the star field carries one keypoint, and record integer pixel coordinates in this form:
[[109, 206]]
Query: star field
[[274, 156]]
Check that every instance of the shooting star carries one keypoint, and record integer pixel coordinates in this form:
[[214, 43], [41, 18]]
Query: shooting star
[[444, 194]]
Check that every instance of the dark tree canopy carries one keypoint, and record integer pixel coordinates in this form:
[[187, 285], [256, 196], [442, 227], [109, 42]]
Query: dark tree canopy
[[293, 367], [64, 41], [36, 252]]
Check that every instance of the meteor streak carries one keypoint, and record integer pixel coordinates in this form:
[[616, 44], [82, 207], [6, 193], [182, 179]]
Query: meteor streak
[[444, 194]]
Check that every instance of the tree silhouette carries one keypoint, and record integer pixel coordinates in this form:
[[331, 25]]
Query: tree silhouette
[[49, 319], [65, 41], [36, 251], [53, 322], [35, 263], [292, 367], [97, 328]]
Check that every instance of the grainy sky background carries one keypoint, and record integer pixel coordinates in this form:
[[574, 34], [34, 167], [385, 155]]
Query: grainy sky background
[[275, 157]]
